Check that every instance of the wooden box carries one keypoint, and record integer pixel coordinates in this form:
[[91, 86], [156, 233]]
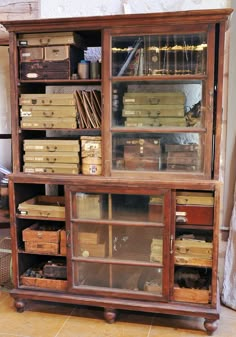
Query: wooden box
[[200, 296], [51, 145], [48, 123], [63, 242], [41, 233], [31, 54], [41, 247], [193, 253], [43, 283], [153, 111], [42, 70], [55, 270], [55, 168], [51, 111], [140, 147], [43, 206], [51, 157]]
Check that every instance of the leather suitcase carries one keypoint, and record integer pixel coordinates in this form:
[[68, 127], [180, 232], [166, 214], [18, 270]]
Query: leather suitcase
[[153, 111], [162, 98], [47, 39], [48, 111], [48, 123], [57, 168], [51, 145], [48, 157], [47, 99]]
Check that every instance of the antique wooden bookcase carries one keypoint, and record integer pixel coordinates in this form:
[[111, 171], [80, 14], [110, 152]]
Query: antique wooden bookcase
[[141, 233]]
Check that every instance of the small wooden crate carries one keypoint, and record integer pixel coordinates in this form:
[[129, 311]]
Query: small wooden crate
[[41, 247], [191, 295], [43, 283], [43, 206]]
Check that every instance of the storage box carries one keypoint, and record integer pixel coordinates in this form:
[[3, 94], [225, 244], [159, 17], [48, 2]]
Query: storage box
[[42, 233], [193, 253], [41, 247], [51, 157], [92, 250], [47, 39], [51, 145], [153, 111], [47, 99], [57, 168], [55, 270], [200, 296], [43, 283], [51, 111], [161, 98], [43, 206], [48, 123], [89, 206]]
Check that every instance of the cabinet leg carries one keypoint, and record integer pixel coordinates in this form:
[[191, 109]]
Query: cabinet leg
[[210, 326], [20, 305], [110, 315]]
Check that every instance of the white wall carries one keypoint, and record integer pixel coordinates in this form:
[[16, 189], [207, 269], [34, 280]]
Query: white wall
[[69, 8]]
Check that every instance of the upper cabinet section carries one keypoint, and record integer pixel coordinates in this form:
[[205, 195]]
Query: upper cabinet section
[[159, 54]]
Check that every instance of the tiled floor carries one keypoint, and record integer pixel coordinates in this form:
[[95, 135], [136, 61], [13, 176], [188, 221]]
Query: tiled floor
[[56, 320]]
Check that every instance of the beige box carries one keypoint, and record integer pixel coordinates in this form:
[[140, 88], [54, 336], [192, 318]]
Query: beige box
[[51, 145], [57, 168], [45, 39], [161, 98], [31, 54], [57, 53], [167, 110], [48, 157], [47, 99], [91, 146], [48, 123], [43, 206], [48, 111]]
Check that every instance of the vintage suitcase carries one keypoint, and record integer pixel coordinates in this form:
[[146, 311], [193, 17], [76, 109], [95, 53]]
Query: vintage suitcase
[[54, 157], [43, 206], [193, 252], [166, 110], [91, 168], [162, 98], [60, 168], [48, 111], [48, 123], [47, 39], [47, 99], [51, 145]]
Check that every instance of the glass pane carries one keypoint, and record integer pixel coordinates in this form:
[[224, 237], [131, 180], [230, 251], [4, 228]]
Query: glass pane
[[120, 207], [119, 242], [157, 152], [157, 104], [132, 278], [172, 54]]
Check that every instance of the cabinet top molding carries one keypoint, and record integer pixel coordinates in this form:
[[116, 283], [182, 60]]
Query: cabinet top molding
[[101, 22]]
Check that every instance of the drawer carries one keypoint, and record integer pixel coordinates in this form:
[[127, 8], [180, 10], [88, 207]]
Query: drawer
[[194, 215], [48, 123]]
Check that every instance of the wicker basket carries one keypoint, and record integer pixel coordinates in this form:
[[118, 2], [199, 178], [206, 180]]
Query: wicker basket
[[5, 260]]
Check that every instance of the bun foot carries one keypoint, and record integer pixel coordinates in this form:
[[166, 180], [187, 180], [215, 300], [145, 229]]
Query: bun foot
[[110, 315], [210, 326], [20, 305]]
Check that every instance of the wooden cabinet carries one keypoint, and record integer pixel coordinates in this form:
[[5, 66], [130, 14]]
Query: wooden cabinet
[[121, 166]]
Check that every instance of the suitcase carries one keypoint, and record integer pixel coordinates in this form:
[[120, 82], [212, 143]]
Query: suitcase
[[48, 123], [51, 157], [47, 39], [60, 168], [162, 98], [51, 145], [43, 70], [47, 99], [153, 111], [57, 111]]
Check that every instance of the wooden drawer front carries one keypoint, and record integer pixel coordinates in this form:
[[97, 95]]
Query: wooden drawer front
[[37, 233], [48, 111], [47, 99], [48, 157], [194, 215], [48, 123], [31, 54], [43, 206], [47, 145], [45, 70], [47, 39], [51, 168], [57, 53], [41, 247]]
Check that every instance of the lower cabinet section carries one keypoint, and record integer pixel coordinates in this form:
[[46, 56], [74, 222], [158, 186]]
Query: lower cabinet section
[[122, 245]]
